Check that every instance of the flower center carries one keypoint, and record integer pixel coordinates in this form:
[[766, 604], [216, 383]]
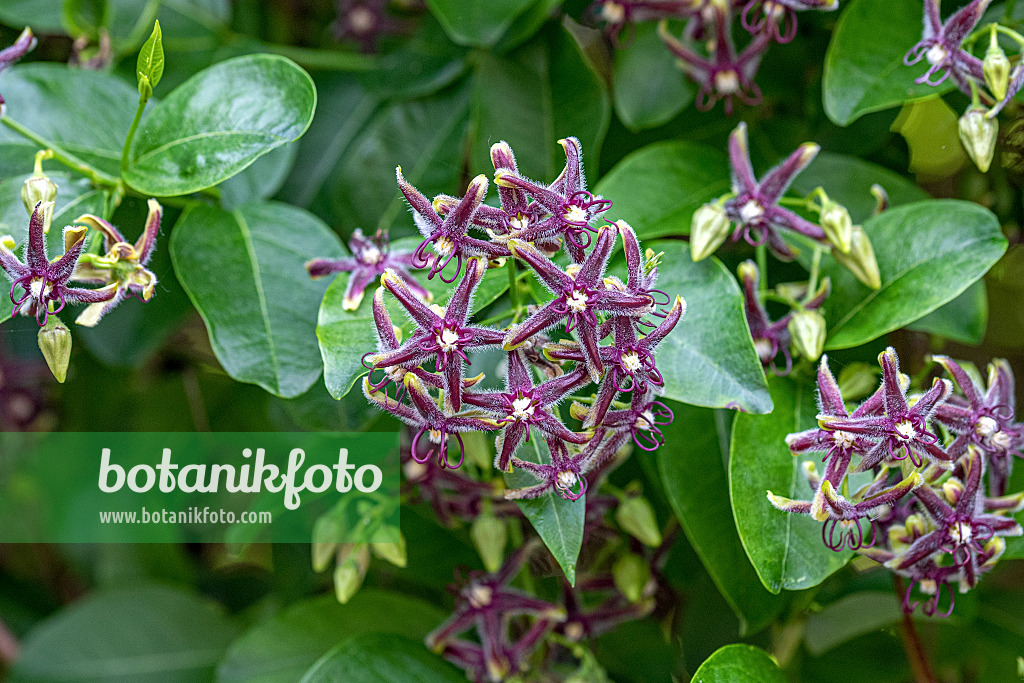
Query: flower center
[[751, 211], [444, 246], [372, 255], [361, 20], [927, 586], [1002, 441], [764, 349], [566, 479], [631, 361], [519, 222], [727, 82], [773, 10], [414, 471], [36, 289], [577, 301], [905, 430], [960, 533], [575, 214], [448, 340], [613, 12], [843, 439], [936, 54], [480, 596], [645, 421], [435, 435], [574, 631], [522, 408], [986, 426]]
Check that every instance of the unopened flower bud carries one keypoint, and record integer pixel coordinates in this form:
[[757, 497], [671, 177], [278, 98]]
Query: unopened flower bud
[[38, 188], [996, 68], [490, 536], [353, 561], [748, 272], [327, 531], [636, 517], [55, 343], [861, 259], [807, 328], [392, 550], [978, 135], [708, 230], [858, 380], [838, 226], [631, 574], [881, 199]]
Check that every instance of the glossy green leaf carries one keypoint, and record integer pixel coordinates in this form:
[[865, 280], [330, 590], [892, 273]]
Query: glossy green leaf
[[144, 633], [785, 549], [47, 17], [345, 336], [928, 253], [692, 469], [657, 188], [709, 359], [558, 521], [539, 94], [86, 17], [424, 64], [261, 180], [1015, 544], [150, 64], [374, 657], [212, 127], [649, 89], [50, 100], [864, 69], [281, 649], [479, 23], [244, 271], [850, 616], [963, 319], [739, 664]]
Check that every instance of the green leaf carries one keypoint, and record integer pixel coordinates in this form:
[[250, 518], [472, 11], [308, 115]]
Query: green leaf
[[649, 89], [50, 100], [698, 490], [849, 617], [709, 359], [150, 65], [539, 94], [281, 649], [657, 188], [144, 633], [558, 521], [479, 23], [424, 64], [963, 319], [864, 69], [739, 664], [374, 657], [244, 271], [261, 180], [44, 18], [928, 253], [218, 122], [86, 17], [785, 549]]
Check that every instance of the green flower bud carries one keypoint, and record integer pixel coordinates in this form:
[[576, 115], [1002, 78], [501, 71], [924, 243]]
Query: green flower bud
[[978, 135], [996, 68], [394, 551], [631, 574], [38, 188], [636, 517], [807, 328], [353, 561], [838, 226], [861, 259], [708, 230], [858, 380], [327, 531], [55, 343], [490, 536], [747, 271]]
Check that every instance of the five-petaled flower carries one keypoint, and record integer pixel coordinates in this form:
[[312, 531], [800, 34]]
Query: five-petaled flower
[[45, 283], [941, 45], [370, 258], [9, 55]]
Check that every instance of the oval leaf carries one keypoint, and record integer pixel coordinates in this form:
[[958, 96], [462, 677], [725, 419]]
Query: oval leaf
[[864, 69], [144, 633], [244, 270], [377, 657], [218, 122], [558, 521], [928, 253], [785, 549], [739, 664], [649, 89], [656, 189], [709, 359], [478, 23]]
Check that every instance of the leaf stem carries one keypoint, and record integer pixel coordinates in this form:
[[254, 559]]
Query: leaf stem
[[98, 177], [761, 252], [812, 284], [513, 284], [916, 655], [131, 132]]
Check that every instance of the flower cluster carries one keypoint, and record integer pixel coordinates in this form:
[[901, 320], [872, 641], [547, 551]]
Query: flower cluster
[[722, 71], [991, 82], [926, 513], [555, 346]]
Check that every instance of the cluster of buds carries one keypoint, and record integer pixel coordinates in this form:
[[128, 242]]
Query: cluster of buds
[[926, 513], [722, 71], [991, 82], [42, 288], [432, 392]]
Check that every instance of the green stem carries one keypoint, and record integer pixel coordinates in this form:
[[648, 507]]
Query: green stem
[[513, 284], [795, 202], [98, 177], [131, 132], [761, 252], [812, 285]]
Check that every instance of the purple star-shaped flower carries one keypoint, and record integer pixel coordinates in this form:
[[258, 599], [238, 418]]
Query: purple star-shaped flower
[[9, 55], [770, 15], [724, 74], [616, 14], [755, 208], [640, 421], [45, 282], [580, 293], [364, 21], [444, 334], [523, 405], [370, 258], [941, 44]]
